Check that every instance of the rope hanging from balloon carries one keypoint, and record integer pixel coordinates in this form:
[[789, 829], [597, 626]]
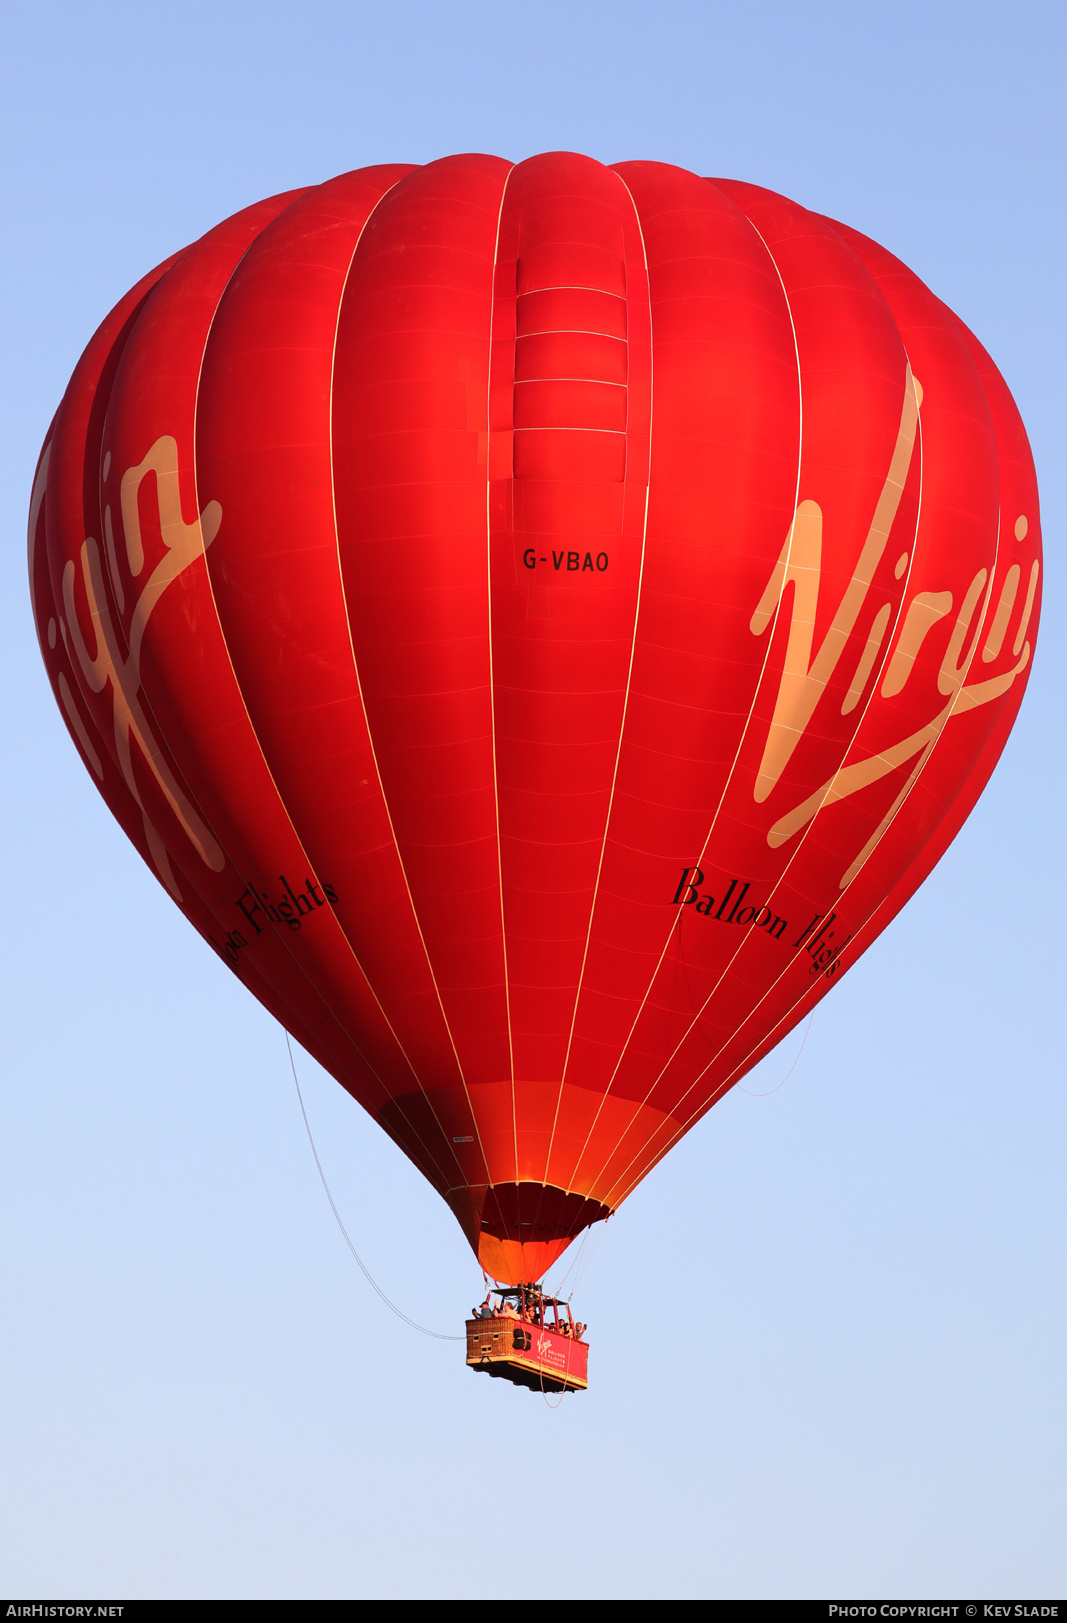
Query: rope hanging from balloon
[[368, 1276], [680, 962], [788, 1073]]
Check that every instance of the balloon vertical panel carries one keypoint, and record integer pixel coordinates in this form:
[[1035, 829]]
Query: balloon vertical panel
[[65, 524], [199, 762], [263, 442], [572, 349]]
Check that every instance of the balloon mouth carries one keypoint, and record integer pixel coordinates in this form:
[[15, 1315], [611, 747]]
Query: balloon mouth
[[519, 1229]]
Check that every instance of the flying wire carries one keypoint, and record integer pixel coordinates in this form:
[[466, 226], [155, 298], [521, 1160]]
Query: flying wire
[[584, 1264], [368, 1276], [557, 1288]]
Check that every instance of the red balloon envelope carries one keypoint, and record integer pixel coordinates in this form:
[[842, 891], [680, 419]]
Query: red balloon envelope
[[540, 622]]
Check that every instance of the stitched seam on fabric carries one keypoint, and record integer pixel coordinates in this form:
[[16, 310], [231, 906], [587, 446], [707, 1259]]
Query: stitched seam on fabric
[[492, 695]]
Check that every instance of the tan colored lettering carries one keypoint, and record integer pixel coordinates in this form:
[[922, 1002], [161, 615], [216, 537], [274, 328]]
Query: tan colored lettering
[[804, 678], [995, 641], [867, 659], [924, 611], [1028, 607], [849, 780], [184, 543]]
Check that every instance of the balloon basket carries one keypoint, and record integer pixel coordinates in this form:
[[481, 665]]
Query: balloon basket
[[529, 1339]]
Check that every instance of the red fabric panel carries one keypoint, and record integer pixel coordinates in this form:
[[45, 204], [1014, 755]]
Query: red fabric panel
[[562, 626], [65, 524], [409, 402], [541, 622]]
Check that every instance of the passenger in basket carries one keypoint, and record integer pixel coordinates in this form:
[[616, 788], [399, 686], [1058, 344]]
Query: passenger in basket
[[509, 1310], [485, 1311]]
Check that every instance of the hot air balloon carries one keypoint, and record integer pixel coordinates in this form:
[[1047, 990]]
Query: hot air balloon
[[540, 622]]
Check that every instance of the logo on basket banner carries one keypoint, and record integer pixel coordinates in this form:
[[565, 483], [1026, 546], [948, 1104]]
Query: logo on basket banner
[[549, 1353]]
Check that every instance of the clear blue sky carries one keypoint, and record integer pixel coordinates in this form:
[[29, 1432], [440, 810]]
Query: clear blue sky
[[828, 1335]]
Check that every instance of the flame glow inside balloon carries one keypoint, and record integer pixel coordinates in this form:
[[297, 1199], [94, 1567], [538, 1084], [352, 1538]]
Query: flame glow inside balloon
[[540, 622]]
